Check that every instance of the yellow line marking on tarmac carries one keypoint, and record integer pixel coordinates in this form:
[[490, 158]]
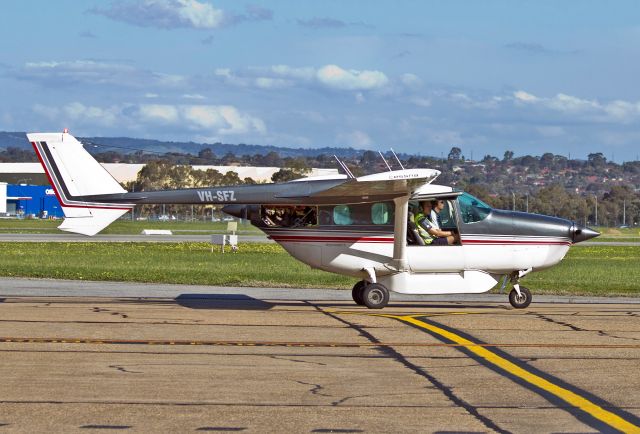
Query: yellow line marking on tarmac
[[566, 395], [365, 313]]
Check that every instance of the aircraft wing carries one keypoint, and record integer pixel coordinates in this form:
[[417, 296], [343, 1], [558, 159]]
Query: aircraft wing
[[388, 184], [307, 191]]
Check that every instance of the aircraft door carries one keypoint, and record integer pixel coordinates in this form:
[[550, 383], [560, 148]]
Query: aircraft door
[[435, 258], [485, 239]]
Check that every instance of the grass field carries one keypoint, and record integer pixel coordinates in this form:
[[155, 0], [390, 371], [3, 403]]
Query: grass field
[[122, 227], [592, 270]]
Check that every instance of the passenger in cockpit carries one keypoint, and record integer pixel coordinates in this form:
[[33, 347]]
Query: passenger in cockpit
[[429, 227]]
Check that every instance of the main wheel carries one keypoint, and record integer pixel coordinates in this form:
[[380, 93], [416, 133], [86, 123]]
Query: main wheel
[[356, 292], [375, 296], [520, 301]]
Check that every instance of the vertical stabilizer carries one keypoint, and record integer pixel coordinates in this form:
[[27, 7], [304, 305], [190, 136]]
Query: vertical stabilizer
[[74, 174]]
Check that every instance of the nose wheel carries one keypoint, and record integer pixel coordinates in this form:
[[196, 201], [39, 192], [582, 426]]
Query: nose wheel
[[521, 300], [372, 295]]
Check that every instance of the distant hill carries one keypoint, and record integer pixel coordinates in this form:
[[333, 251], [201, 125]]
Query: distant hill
[[131, 145]]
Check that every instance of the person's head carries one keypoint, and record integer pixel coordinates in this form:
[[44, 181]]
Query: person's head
[[426, 206], [437, 205]]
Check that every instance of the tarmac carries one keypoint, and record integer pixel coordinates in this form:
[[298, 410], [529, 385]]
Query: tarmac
[[94, 356]]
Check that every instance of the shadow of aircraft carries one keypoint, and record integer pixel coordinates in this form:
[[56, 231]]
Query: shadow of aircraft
[[222, 301]]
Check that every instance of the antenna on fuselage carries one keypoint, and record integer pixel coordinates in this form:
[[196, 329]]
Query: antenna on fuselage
[[397, 159], [344, 167], [385, 161]]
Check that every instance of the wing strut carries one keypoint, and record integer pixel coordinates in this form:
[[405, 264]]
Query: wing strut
[[344, 167], [400, 233], [397, 159], [385, 161]]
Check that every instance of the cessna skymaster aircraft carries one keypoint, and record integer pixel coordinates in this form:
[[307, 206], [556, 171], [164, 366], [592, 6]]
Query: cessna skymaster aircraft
[[358, 227]]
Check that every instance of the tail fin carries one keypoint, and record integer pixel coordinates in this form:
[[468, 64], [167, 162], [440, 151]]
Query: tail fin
[[73, 174]]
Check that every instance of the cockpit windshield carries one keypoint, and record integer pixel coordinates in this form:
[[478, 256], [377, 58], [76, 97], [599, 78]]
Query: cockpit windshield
[[472, 209]]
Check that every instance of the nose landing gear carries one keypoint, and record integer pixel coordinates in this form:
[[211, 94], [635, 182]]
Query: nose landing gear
[[519, 297], [520, 300]]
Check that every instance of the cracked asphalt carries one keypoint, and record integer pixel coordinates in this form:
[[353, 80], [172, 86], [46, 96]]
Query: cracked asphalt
[[243, 363]]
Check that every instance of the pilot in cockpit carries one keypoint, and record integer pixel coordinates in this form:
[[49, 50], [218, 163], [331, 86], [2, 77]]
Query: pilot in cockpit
[[426, 221]]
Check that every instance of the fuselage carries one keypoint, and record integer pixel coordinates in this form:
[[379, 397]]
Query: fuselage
[[355, 239]]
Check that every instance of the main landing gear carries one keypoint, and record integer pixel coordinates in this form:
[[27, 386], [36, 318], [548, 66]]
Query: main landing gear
[[372, 295]]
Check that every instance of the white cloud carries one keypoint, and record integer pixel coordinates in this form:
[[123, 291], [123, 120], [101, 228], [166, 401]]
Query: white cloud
[[91, 72], [165, 14], [193, 96], [622, 111], [224, 119], [333, 76], [306, 74], [282, 76], [568, 103], [617, 111], [468, 102], [208, 119], [199, 15], [524, 96], [158, 113], [411, 80], [271, 83], [420, 102], [79, 114], [357, 139], [76, 111]]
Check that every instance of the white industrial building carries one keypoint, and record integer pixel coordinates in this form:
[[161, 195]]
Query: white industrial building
[[33, 173], [21, 178]]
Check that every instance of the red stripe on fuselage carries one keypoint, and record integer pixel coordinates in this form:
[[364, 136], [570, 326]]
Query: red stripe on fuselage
[[309, 238], [346, 239], [514, 242]]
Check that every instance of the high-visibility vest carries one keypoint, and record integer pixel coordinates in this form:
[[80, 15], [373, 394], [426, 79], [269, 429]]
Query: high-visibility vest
[[426, 236]]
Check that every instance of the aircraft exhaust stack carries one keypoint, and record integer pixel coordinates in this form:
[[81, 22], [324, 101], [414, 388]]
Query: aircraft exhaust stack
[[238, 211], [580, 234]]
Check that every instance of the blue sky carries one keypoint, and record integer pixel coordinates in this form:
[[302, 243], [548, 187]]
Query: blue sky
[[418, 76]]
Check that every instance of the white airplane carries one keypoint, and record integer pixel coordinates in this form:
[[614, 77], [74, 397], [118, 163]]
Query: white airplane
[[357, 227]]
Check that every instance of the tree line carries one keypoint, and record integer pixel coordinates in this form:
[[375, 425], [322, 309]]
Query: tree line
[[549, 184]]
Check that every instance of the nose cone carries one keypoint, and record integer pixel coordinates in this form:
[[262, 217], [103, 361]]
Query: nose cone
[[583, 234]]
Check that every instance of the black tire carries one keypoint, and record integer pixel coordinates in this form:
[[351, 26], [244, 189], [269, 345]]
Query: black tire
[[356, 292], [375, 296], [522, 301]]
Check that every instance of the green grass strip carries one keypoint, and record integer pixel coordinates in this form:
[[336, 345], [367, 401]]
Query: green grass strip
[[593, 270]]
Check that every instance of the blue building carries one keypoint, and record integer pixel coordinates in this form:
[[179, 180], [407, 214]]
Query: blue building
[[36, 200]]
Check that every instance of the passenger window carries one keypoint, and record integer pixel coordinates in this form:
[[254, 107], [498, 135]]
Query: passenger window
[[380, 213], [342, 215], [472, 209]]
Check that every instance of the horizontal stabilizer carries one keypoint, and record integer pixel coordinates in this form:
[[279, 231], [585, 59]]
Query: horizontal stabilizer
[[92, 223]]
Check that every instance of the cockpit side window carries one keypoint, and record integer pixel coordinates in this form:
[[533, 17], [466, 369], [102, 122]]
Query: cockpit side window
[[447, 220], [472, 209]]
